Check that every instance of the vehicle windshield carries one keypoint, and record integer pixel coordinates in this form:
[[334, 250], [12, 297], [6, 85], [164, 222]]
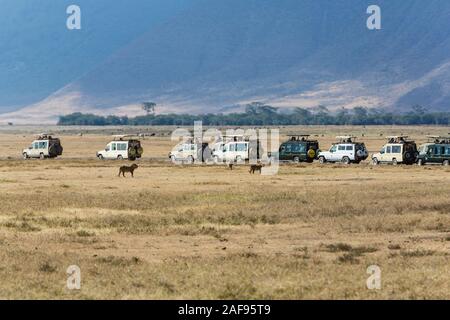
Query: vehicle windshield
[[333, 148]]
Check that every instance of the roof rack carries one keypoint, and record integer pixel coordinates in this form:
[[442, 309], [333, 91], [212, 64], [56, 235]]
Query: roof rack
[[120, 137], [440, 139], [43, 135], [346, 138], [397, 137]]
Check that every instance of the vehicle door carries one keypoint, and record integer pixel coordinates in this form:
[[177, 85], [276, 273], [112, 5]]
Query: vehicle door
[[282, 154], [113, 152], [34, 151], [287, 152], [439, 153], [397, 153], [122, 149], [340, 153], [350, 151], [299, 150], [333, 153], [42, 147], [230, 151], [387, 157], [242, 150]]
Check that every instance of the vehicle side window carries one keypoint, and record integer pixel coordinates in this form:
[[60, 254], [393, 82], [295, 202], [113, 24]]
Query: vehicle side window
[[283, 148], [396, 149], [241, 147], [349, 148], [341, 148], [113, 147], [289, 148], [36, 145], [442, 150], [232, 147], [388, 149], [447, 151], [121, 146]]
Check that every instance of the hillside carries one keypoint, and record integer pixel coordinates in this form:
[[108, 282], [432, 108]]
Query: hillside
[[207, 56]]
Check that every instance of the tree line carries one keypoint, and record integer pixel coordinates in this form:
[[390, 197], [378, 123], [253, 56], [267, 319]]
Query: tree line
[[259, 114]]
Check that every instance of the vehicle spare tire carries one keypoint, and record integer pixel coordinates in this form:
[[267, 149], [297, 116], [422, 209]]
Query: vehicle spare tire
[[132, 151], [140, 151], [360, 154], [311, 153], [52, 150], [408, 156]]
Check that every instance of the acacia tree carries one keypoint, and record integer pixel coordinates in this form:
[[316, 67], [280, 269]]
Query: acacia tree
[[149, 107]]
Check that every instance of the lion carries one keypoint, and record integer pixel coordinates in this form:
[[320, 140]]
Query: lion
[[255, 167], [130, 169]]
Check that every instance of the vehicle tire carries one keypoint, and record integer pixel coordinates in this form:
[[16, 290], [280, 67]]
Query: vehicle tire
[[100, 157], [322, 160], [312, 153], [375, 161], [41, 156], [346, 160], [238, 159], [190, 160], [446, 163], [296, 160], [173, 159], [119, 157], [25, 156], [394, 162], [408, 156], [420, 162]]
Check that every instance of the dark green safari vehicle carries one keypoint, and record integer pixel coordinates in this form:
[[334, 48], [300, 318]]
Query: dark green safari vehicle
[[436, 152], [299, 148]]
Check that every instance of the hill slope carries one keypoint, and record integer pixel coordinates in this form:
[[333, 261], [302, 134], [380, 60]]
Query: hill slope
[[217, 53]]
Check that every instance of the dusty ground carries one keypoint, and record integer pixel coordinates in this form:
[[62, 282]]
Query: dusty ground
[[207, 232]]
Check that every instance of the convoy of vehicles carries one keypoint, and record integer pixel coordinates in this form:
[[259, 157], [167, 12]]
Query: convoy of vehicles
[[239, 148], [435, 152], [398, 150], [122, 147], [45, 146], [346, 150]]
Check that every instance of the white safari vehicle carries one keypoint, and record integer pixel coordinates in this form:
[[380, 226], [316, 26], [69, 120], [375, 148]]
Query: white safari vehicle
[[237, 149], [45, 146], [345, 150], [190, 152], [397, 150], [122, 147]]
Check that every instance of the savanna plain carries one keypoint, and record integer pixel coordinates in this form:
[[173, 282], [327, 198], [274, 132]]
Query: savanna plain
[[206, 232]]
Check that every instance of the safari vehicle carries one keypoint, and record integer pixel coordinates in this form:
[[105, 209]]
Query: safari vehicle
[[397, 150], [346, 150], [45, 146], [190, 152], [435, 152], [299, 148], [122, 147], [237, 149]]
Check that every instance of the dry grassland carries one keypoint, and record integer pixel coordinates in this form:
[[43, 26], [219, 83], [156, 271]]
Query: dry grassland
[[207, 232]]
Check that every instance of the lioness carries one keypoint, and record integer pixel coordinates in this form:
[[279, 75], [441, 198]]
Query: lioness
[[255, 167], [130, 169]]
